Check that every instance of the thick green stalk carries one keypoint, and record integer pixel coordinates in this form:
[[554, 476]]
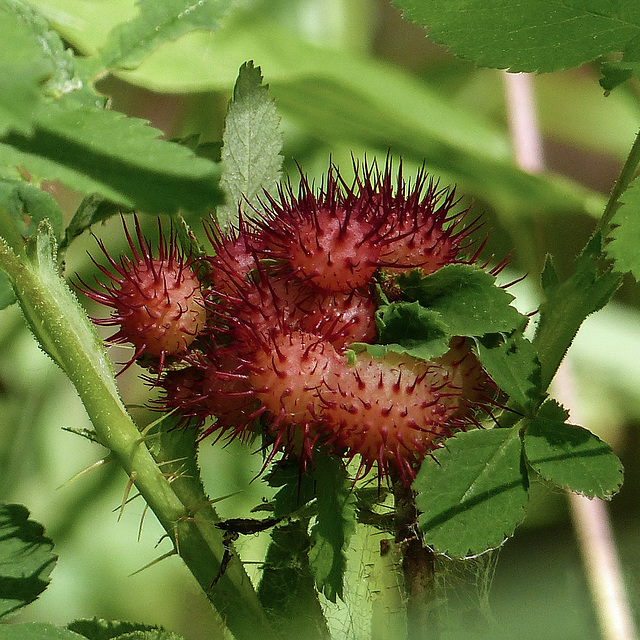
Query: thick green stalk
[[64, 332]]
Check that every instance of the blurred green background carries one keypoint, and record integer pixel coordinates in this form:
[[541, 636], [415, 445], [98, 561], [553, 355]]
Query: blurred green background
[[349, 77]]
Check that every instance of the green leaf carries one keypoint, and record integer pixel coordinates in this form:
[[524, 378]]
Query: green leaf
[[63, 78], [252, 143], [118, 157], [26, 559], [36, 631], [343, 99], [408, 327], [624, 240], [472, 494], [297, 490], [78, 22], [570, 456], [512, 364], [23, 68], [22, 208], [158, 22], [98, 629], [537, 35], [156, 634], [335, 523], [567, 304], [467, 299], [93, 208], [549, 278], [615, 73], [346, 100], [287, 588]]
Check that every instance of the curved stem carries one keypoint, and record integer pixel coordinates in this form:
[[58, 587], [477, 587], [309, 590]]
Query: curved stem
[[64, 332]]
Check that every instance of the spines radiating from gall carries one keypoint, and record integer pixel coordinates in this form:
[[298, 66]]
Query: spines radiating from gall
[[391, 412], [340, 236], [157, 302], [331, 238]]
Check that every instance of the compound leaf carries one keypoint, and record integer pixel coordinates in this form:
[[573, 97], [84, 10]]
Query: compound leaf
[[530, 35], [121, 158], [570, 456], [26, 559], [472, 494]]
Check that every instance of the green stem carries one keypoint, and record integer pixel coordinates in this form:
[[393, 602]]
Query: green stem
[[622, 183], [64, 332]]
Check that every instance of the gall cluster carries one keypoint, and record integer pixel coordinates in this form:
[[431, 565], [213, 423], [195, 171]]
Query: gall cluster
[[255, 339]]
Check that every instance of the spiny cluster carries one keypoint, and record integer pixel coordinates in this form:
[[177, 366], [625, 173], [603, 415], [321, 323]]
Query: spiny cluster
[[259, 332]]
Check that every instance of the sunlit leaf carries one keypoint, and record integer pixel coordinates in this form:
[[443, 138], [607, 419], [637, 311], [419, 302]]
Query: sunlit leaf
[[570, 456], [466, 298], [252, 143], [408, 327], [121, 158], [536, 35], [26, 559], [473, 492]]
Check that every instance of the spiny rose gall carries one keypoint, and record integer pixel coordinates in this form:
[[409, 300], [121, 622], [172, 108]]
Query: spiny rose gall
[[390, 411], [210, 387], [330, 238], [342, 318], [157, 302], [340, 236], [423, 224], [287, 375], [464, 372], [234, 254], [286, 296], [265, 301], [283, 373]]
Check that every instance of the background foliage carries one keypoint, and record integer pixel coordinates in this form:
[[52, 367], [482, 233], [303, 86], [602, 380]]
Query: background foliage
[[348, 77]]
